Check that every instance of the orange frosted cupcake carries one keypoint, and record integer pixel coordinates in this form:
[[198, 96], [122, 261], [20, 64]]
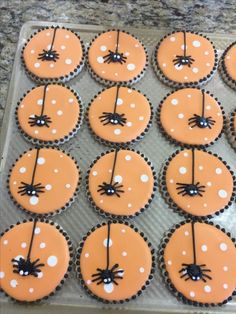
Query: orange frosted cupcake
[[231, 129], [227, 66], [53, 54], [183, 59], [115, 56]]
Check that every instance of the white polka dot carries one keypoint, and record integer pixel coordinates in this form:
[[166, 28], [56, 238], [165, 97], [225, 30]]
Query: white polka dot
[[23, 245], [127, 157], [117, 131], [129, 205], [108, 288], [171, 181], [131, 66], [200, 167], [186, 233], [169, 262], [141, 118], [54, 131], [118, 179], [129, 124], [32, 51], [86, 255], [129, 91], [68, 61], [195, 70], [37, 65], [31, 290], [223, 247], [208, 64], [116, 74], [218, 170], [172, 130], [141, 269], [52, 261], [14, 182], [119, 101], [182, 47], [34, 200], [225, 286], [222, 193], [225, 268], [103, 48], [37, 230], [59, 113], [48, 187], [206, 53], [208, 107], [178, 67], [204, 248], [180, 115], [109, 244], [13, 283], [172, 38], [100, 59], [71, 100], [41, 161], [129, 189], [36, 132], [228, 57], [67, 36], [42, 245], [51, 65], [22, 106], [48, 34], [196, 43], [132, 105], [124, 253], [205, 205], [174, 101], [40, 275], [185, 154], [126, 53], [2, 274], [144, 178], [89, 282], [164, 65], [56, 170], [5, 242], [188, 206], [209, 183], [22, 170], [95, 173], [192, 294], [101, 201], [123, 231], [207, 288], [63, 47], [182, 170], [184, 253], [136, 45], [185, 77]]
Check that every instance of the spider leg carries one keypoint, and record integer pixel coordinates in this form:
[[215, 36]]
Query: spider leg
[[185, 193], [115, 282], [114, 267], [206, 276], [187, 279], [118, 271], [101, 281], [202, 265], [208, 270], [117, 194], [97, 279], [180, 192], [184, 275], [39, 265], [120, 191], [182, 269]]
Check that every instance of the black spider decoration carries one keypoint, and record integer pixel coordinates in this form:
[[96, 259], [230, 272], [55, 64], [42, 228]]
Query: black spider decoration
[[50, 54], [41, 120], [113, 118], [115, 57], [183, 60]]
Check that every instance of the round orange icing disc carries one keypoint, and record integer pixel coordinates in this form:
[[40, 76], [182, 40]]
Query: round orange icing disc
[[115, 262], [231, 129], [49, 114], [117, 56], [116, 178], [185, 59], [35, 260], [53, 54], [44, 181], [191, 116], [198, 183], [227, 65], [200, 261], [119, 115]]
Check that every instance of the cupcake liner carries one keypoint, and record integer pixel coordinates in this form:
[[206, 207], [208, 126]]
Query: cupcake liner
[[111, 83], [64, 78], [223, 71], [230, 132], [166, 196], [120, 217], [178, 143], [177, 85], [59, 210], [121, 144], [56, 142], [164, 273], [78, 270], [70, 264]]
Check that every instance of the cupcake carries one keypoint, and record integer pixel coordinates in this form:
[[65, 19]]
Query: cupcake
[[227, 66], [116, 178], [50, 114], [53, 54], [191, 117], [32, 267], [197, 183], [115, 262], [119, 116], [44, 181], [231, 129], [198, 263], [116, 56], [185, 59]]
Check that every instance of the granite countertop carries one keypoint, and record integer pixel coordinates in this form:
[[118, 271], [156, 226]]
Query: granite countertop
[[199, 15]]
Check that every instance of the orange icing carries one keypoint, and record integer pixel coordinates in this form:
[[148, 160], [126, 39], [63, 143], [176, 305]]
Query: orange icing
[[130, 102], [213, 248], [182, 105], [128, 45], [230, 63], [128, 249], [56, 172], [49, 245]]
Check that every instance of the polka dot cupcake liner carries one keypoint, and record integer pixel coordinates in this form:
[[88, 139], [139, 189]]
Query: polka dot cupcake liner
[[63, 78], [57, 211], [121, 217], [223, 71], [70, 264], [178, 143], [78, 268], [171, 83], [230, 130], [163, 269], [102, 81], [121, 144], [59, 141], [172, 205]]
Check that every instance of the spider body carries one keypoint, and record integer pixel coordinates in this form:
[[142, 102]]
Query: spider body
[[49, 55], [42, 120], [110, 189], [114, 57], [183, 60], [113, 118], [26, 267], [30, 189], [190, 189], [200, 122], [194, 272], [108, 276]]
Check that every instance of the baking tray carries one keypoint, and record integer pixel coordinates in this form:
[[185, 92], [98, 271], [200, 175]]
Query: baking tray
[[80, 217]]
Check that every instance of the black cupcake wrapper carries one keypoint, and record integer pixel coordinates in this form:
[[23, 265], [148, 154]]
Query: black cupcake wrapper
[[70, 264], [120, 144], [164, 272], [120, 217], [178, 143], [175, 84], [230, 131], [108, 82], [59, 141], [166, 196], [223, 70], [59, 210], [80, 277], [63, 78]]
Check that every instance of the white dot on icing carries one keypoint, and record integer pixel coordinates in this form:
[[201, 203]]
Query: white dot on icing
[[68, 61], [200, 167], [123, 231], [37, 65], [51, 65], [13, 283], [209, 183], [56, 170], [39, 102], [207, 289], [189, 96], [144, 178], [195, 70], [129, 91], [36, 132], [178, 67], [185, 154], [141, 269], [172, 130], [52, 261], [222, 193], [109, 244], [126, 53], [141, 118], [5, 242], [119, 101], [67, 36], [169, 262], [174, 101], [89, 282], [48, 187], [185, 77], [67, 185], [129, 189], [127, 157], [184, 253], [42, 245], [100, 59], [132, 105], [71, 100], [117, 131], [129, 205], [205, 205], [31, 290], [101, 201], [59, 113], [22, 170], [180, 115], [182, 47], [63, 47], [131, 66], [206, 53], [164, 65], [225, 268], [171, 181], [196, 43], [116, 74], [186, 233], [192, 294], [129, 124], [208, 107], [54, 131], [118, 179], [2, 274], [218, 170], [225, 286], [172, 38], [108, 288], [32, 51], [124, 253], [34, 200], [40, 275], [223, 247], [182, 170], [23, 245], [95, 173], [103, 48], [204, 248], [86, 255], [14, 182], [208, 64], [47, 34], [41, 161], [37, 230]]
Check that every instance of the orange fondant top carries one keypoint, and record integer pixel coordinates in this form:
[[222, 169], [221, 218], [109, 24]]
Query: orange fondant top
[[131, 48], [132, 176], [214, 178], [133, 108], [214, 249], [182, 111], [56, 173], [230, 63], [60, 106], [66, 48], [49, 246], [197, 47], [127, 249]]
